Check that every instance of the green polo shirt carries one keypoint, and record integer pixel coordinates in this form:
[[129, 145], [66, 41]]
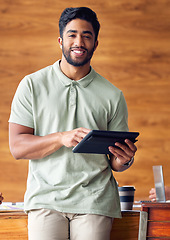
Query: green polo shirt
[[50, 102]]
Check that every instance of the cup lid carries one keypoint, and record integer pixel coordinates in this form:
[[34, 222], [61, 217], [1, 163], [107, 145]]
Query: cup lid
[[126, 188]]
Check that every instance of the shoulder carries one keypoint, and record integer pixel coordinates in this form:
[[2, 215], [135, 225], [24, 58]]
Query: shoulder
[[105, 85], [40, 74], [38, 78]]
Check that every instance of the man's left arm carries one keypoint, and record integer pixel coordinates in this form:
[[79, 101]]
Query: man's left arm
[[123, 157]]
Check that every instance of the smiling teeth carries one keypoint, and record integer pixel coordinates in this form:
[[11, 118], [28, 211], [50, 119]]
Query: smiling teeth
[[76, 51]]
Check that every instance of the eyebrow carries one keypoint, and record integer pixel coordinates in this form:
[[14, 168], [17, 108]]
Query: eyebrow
[[84, 32]]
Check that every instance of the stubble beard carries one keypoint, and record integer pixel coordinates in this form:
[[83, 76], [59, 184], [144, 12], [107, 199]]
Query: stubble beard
[[77, 63]]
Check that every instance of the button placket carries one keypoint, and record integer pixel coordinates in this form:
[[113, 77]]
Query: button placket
[[73, 95]]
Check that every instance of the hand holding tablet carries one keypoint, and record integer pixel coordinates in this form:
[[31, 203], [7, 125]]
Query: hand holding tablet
[[97, 141]]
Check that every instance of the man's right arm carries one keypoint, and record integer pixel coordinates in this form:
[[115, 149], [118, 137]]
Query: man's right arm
[[25, 145]]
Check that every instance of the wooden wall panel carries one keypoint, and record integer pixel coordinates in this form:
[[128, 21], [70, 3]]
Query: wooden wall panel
[[133, 53]]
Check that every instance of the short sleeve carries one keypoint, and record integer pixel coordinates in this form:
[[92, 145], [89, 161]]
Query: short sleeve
[[21, 108], [119, 121]]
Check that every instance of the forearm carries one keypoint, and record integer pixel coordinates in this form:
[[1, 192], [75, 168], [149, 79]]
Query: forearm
[[25, 145], [28, 146]]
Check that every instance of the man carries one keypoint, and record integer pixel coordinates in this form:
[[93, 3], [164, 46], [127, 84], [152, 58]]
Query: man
[[69, 195]]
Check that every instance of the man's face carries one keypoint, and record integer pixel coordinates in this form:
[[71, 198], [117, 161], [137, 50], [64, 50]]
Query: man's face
[[78, 42]]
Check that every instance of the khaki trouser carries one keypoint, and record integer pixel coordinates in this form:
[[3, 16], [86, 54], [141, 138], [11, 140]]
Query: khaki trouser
[[45, 224]]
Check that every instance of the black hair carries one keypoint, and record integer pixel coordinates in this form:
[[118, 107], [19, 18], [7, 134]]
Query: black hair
[[83, 13]]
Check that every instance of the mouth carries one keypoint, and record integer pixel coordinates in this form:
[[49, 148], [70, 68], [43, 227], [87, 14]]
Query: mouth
[[78, 51]]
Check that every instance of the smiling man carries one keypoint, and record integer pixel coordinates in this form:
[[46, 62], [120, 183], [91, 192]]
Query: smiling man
[[69, 196], [80, 43]]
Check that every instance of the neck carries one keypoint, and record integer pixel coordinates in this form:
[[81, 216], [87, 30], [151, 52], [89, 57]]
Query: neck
[[72, 72]]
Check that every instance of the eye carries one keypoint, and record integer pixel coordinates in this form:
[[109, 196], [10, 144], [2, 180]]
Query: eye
[[87, 36], [71, 35]]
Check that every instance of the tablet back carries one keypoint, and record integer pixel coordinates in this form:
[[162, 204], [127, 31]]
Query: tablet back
[[97, 141]]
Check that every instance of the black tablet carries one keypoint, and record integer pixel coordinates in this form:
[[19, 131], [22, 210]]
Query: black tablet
[[97, 141]]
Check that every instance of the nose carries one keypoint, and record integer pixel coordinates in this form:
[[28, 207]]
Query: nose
[[79, 41]]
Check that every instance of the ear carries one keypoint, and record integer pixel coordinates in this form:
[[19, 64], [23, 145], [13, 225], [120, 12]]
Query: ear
[[96, 44], [60, 41]]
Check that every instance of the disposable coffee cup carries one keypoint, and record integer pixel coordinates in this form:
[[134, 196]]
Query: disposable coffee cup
[[126, 194]]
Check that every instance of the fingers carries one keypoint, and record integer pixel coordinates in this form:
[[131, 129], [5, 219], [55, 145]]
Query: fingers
[[125, 152], [73, 137], [79, 134], [153, 199], [119, 154], [152, 195], [131, 145], [152, 191]]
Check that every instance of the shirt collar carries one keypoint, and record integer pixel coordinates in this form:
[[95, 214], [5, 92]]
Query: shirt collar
[[84, 82]]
